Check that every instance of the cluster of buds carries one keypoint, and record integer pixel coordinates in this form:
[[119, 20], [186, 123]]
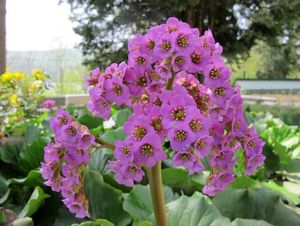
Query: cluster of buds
[[180, 91], [65, 161]]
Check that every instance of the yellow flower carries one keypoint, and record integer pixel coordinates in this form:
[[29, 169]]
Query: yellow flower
[[19, 75], [38, 74], [7, 76], [35, 85], [14, 100]]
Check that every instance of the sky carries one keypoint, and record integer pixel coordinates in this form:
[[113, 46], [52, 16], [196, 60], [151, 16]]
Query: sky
[[39, 25]]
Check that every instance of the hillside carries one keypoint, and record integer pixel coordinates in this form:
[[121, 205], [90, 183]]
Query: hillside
[[53, 61]]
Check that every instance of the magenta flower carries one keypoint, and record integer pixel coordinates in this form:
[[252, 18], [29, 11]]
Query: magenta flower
[[138, 126], [149, 150], [137, 81], [164, 47], [218, 182], [181, 137], [48, 104], [65, 161], [116, 91], [203, 146], [123, 151], [62, 118], [184, 41], [180, 62], [99, 107]]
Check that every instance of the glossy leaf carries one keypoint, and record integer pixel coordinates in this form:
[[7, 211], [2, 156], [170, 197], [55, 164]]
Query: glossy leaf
[[259, 203], [36, 200], [105, 201]]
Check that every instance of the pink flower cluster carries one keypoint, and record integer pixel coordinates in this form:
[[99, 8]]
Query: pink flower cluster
[[180, 91], [65, 161], [49, 103]]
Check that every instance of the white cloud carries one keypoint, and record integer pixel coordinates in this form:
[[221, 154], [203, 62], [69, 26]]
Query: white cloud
[[39, 25]]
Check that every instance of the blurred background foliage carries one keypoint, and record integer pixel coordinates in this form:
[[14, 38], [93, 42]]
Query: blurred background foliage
[[265, 31]]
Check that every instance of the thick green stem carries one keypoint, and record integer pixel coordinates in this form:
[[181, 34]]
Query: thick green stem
[[104, 144], [170, 81], [157, 194]]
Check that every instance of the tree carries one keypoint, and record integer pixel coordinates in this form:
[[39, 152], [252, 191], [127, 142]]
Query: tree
[[2, 36], [106, 24]]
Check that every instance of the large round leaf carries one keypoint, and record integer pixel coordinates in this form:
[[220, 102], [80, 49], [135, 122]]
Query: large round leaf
[[194, 211], [138, 202], [258, 203], [105, 201]]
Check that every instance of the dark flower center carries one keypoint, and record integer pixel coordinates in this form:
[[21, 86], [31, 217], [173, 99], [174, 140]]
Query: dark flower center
[[140, 60], [139, 132], [71, 131], [251, 144], [184, 156], [147, 150], [179, 113], [141, 81], [220, 91], [103, 103], [117, 89], [195, 125], [86, 137], [156, 123], [157, 102], [182, 41], [196, 58], [132, 169], [221, 156], [125, 151], [166, 45], [180, 135], [179, 60], [214, 73], [237, 125], [151, 44], [63, 120]]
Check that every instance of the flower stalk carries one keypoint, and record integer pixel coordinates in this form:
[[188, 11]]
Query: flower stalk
[[103, 143], [157, 195]]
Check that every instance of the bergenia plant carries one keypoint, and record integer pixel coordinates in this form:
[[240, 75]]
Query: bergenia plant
[[180, 92]]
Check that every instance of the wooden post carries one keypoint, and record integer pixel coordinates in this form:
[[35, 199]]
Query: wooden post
[[2, 36]]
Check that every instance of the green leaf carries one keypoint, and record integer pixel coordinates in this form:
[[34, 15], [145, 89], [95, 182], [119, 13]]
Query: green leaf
[[9, 151], [98, 222], [31, 134], [27, 221], [290, 196], [256, 203], [180, 180], [138, 202], [36, 200], [244, 182], [248, 222], [115, 134], [5, 197], [105, 201], [122, 116], [34, 178], [296, 152], [192, 211], [98, 161], [90, 121], [290, 141], [145, 223], [33, 155], [3, 185]]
